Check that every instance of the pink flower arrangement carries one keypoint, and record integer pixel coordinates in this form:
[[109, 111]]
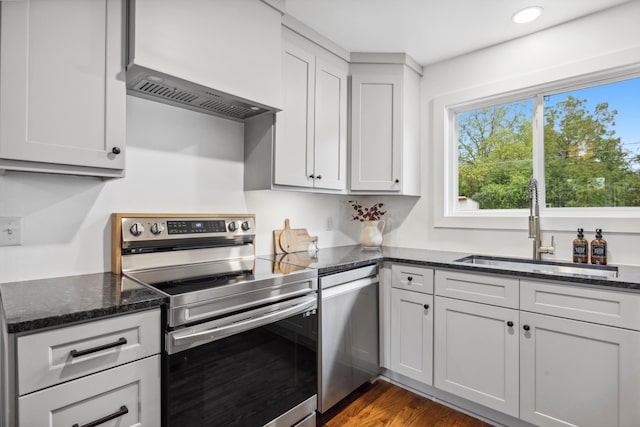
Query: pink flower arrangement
[[366, 214]]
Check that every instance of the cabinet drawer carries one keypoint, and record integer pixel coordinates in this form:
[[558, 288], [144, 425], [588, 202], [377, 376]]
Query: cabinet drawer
[[133, 388], [592, 305], [412, 278], [55, 356], [500, 291]]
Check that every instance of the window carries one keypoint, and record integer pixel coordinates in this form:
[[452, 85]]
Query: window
[[582, 144], [495, 149]]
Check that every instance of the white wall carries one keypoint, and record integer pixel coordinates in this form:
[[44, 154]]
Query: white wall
[[181, 161], [177, 161], [594, 43]]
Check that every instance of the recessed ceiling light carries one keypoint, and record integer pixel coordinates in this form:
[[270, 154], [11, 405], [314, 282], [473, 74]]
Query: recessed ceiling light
[[527, 15]]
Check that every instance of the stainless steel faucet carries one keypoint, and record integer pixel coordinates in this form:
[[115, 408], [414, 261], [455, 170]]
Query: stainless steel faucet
[[534, 223]]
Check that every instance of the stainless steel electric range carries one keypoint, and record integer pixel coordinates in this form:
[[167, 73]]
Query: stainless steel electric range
[[240, 334]]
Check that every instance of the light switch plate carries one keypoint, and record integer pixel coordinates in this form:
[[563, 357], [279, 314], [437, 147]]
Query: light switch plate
[[10, 231]]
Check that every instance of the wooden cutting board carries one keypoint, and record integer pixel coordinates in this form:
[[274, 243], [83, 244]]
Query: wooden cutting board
[[288, 263], [289, 240]]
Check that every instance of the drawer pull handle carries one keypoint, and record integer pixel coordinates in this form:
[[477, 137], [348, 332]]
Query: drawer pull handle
[[123, 410], [526, 327], [510, 324], [426, 306], [410, 278], [78, 353]]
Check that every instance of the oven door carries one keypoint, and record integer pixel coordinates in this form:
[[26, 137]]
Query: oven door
[[249, 369]]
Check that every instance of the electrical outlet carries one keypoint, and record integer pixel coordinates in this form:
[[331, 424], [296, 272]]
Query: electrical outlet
[[329, 223], [10, 231]]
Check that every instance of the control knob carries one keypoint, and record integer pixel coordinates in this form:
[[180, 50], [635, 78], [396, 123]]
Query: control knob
[[137, 229], [157, 228], [232, 226], [246, 226]]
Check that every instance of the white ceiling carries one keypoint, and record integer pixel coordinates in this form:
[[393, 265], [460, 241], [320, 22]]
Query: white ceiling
[[432, 30]]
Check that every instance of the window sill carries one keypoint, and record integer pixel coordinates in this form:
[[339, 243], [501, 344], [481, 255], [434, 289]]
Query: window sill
[[625, 221]]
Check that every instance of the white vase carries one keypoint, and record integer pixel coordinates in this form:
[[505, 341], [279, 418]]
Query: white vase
[[371, 234]]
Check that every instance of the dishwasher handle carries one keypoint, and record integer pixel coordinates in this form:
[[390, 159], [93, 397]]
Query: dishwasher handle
[[347, 287]]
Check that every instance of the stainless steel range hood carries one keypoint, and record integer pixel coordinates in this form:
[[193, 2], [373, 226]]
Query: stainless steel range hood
[[161, 87]]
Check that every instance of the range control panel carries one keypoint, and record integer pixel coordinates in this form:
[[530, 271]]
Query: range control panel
[[137, 229], [190, 227]]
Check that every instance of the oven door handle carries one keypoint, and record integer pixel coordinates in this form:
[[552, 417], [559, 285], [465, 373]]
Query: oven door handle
[[219, 332]]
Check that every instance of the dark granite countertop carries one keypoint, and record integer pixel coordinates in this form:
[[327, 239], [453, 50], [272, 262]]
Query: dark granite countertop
[[333, 260], [38, 304], [330, 260]]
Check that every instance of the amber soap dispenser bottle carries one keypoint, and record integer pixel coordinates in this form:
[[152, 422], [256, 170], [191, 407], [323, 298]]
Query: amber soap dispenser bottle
[[599, 249], [580, 248]]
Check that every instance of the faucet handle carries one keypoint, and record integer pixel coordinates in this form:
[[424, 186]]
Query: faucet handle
[[548, 249]]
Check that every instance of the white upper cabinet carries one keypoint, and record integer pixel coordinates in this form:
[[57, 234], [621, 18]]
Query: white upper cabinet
[[385, 124], [330, 130], [311, 131], [306, 148], [63, 100], [293, 154], [229, 45]]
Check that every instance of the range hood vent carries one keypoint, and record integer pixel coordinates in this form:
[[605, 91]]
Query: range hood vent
[[156, 86]]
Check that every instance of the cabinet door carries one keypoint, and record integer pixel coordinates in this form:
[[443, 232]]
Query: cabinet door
[[578, 374], [412, 334], [63, 93], [330, 136], [476, 353], [376, 132], [128, 395], [294, 125]]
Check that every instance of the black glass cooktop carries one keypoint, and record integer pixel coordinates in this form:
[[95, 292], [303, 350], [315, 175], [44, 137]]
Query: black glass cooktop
[[194, 284], [204, 276]]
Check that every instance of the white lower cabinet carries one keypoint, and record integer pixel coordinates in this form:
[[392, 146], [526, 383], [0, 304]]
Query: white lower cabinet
[[102, 372], [578, 373], [412, 334], [476, 353], [545, 353], [125, 396]]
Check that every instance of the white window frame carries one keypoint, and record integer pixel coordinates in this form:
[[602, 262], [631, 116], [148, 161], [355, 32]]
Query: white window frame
[[445, 109]]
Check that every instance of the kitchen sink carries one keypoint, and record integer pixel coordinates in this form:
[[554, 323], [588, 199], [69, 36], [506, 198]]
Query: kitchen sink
[[545, 267]]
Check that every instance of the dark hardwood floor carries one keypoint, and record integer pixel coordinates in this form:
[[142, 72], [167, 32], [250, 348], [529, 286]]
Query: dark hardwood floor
[[384, 404]]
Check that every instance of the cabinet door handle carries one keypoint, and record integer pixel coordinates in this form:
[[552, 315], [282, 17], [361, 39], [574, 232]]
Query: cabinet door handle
[[510, 324], [426, 306], [123, 410], [116, 150], [312, 176], [77, 353], [397, 181], [409, 279], [319, 177], [526, 327]]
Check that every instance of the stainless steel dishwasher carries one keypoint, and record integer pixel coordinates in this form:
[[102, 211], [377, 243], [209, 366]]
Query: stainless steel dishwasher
[[348, 344]]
